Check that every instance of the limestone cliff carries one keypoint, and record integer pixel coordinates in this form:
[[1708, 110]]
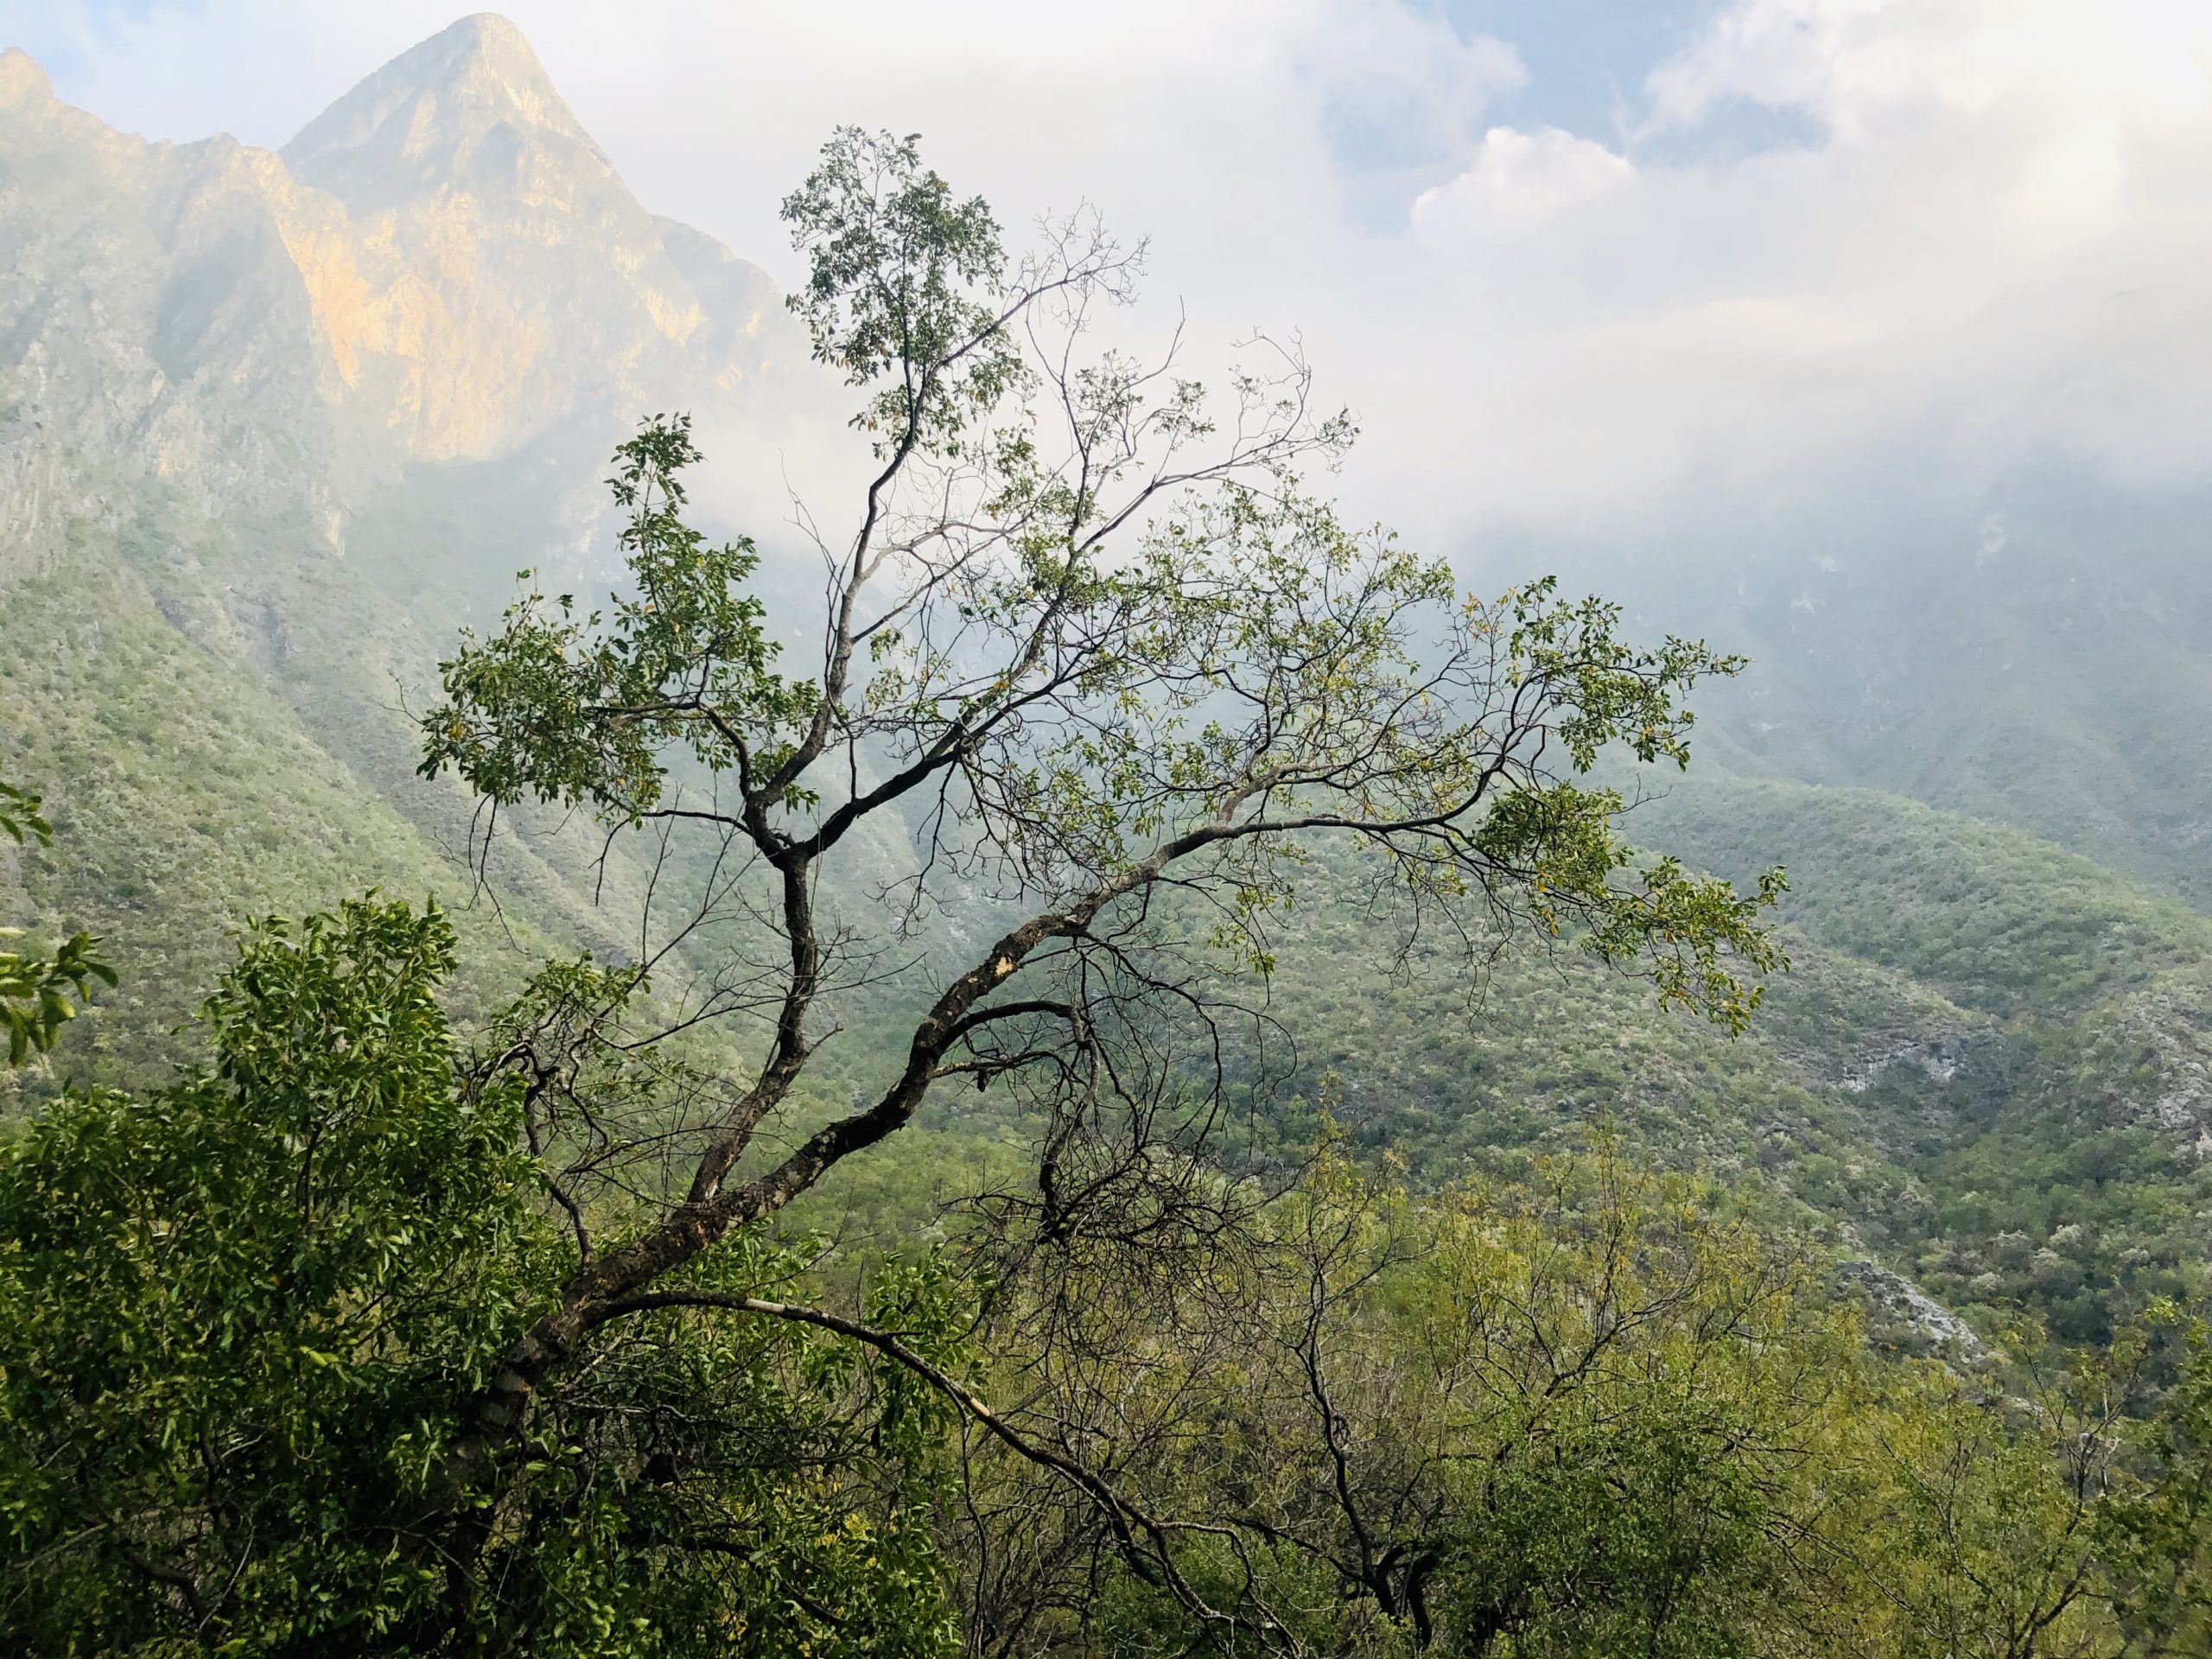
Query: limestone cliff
[[409, 338], [492, 272], [441, 267]]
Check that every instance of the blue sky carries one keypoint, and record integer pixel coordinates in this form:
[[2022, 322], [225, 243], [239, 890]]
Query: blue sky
[[1585, 65], [1586, 59]]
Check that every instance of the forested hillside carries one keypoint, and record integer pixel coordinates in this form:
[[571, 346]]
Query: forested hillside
[[267, 443], [2020, 656], [210, 669]]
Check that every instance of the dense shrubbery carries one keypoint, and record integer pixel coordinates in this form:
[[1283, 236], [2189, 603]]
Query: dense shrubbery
[[244, 1321]]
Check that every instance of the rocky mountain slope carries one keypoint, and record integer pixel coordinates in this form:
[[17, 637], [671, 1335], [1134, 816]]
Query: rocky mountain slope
[[442, 267], [271, 425]]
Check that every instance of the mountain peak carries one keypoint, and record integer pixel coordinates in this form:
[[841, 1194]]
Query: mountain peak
[[488, 33], [21, 81], [469, 108]]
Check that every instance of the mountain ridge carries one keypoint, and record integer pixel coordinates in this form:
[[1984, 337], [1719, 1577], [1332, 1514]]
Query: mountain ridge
[[457, 90], [264, 450], [266, 330]]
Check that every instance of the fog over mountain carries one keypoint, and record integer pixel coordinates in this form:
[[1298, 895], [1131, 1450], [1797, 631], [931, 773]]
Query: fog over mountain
[[1851, 332], [379, 367]]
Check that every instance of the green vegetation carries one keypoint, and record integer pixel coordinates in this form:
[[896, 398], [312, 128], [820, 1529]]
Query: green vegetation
[[2052, 1158], [36, 992], [243, 1319], [243, 1315], [1994, 920], [1588, 1412], [2037, 689], [195, 784], [1099, 1124]]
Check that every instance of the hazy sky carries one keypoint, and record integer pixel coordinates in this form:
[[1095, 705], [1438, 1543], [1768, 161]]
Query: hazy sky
[[1580, 265]]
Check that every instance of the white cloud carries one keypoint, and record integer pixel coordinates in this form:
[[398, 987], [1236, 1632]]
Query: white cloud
[[1934, 269], [1524, 177], [1986, 235]]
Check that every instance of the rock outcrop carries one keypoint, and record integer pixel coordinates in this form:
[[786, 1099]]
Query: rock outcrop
[[441, 267]]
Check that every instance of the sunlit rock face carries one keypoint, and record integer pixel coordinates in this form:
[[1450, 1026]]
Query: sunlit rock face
[[151, 321], [493, 272], [443, 266]]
